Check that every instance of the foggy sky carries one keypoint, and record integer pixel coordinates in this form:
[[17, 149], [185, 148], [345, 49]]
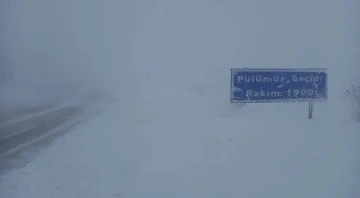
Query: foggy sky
[[56, 49]]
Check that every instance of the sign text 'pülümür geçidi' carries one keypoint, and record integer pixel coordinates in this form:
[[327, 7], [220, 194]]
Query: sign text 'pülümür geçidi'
[[279, 79], [310, 78]]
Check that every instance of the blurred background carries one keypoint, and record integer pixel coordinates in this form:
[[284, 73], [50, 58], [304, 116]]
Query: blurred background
[[167, 63], [58, 50], [61, 50]]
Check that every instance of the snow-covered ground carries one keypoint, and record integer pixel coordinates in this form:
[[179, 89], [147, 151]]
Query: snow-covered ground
[[268, 150], [174, 133], [193, 146]]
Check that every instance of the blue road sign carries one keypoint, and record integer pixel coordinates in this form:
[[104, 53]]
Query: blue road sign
[[278, 85]]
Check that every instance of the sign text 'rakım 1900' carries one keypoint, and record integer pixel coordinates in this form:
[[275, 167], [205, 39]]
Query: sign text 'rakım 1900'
[[278, 85]]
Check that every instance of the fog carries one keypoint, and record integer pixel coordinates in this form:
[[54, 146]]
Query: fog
[[56, 50], [173, 130]]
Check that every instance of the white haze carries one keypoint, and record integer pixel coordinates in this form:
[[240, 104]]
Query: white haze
[[57, 50], [173, 132]]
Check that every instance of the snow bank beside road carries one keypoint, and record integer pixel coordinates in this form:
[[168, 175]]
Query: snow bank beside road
[[259, 153], [253, 156]]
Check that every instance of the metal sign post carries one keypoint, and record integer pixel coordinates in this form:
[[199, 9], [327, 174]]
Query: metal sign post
[[311, 108]]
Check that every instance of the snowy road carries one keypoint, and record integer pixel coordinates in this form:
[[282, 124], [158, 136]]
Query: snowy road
[[9, 115], [29, 128]]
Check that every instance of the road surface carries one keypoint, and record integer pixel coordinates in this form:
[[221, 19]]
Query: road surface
[[9, 115], [39, 126]]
